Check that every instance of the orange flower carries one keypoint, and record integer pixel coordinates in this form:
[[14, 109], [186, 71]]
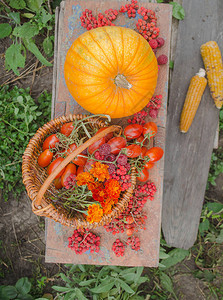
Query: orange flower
[[100, 171], [84, 178], [113, 189], [95, 213], [107, 207]]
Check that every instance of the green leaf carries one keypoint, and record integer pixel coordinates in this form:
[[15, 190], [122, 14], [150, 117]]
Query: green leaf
[[17, 4], [125, 286], [9, 291], [204, 226], [23, 285], [79, 294], [5, 30], [104, 287], [62, 288], [45, 16], [28, 15], [14, 58], [175, 256], [178, 11], [15, 16], [87, 282], [159, 1], [163, 255], [26, 31], [82, 268], [215, 207], [219, 239], [171, 64], [48, 46], [166, 282], [34, 5], [31, 46]]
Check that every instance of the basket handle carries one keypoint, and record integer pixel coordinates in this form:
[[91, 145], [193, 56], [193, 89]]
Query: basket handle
[[68, 159]]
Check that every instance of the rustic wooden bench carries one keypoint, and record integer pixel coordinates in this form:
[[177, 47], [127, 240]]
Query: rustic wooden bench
[[187, 156]]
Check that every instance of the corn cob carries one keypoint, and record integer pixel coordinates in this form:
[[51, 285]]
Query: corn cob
[[193, 99], [211, 55]]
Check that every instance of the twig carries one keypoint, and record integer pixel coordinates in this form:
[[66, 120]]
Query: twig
[[16, 239], [50, 11], [20, 77], [34, 75], [3, 2]]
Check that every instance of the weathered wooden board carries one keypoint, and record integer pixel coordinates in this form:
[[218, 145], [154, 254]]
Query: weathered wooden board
[[68, 28], [187, 156]]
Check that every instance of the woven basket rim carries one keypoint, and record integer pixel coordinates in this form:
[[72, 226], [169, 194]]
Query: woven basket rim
[[48, 210]]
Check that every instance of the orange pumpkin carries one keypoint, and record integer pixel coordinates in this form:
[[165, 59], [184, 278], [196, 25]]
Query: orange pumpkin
[[111, 70]]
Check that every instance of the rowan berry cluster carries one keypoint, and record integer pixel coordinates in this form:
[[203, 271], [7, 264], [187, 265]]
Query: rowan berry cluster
[[89, 22], [84, 240], [148, 189], [118, 247], [131, 9], [132, 218], [147, 29], [134, 242], [138, 118], [154, 105], [121, 175], [111, 14]]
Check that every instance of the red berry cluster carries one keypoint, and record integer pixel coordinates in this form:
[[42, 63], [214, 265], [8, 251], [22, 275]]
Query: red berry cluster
[[84, 240], [134, 242], [131, 9], [111, 14], [121, 175], [148, 189], [118, 247], [116, 226], [89, 22], [138, 118], [154, 105], [147, 29]]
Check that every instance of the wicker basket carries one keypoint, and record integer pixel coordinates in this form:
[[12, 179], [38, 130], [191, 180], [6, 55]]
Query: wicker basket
[[39, 185]]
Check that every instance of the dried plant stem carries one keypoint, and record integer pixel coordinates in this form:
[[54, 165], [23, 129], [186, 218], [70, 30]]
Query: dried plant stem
[[3, 2], [20, 77], [34, 76], [13, 226]]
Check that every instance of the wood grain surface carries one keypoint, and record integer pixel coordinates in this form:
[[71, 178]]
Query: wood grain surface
[[68, 28], [187, 156]]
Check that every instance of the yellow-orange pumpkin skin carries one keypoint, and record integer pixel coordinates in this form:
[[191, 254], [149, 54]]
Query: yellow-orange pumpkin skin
[[111, 70]]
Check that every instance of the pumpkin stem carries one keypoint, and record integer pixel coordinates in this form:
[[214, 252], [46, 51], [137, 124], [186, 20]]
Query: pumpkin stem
[[121, 81]]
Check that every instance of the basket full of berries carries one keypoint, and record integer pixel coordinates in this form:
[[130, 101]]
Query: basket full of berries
[[76, 172]]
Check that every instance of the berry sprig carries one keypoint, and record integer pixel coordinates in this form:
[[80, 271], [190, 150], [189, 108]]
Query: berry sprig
[[84, 240], [154, 105], [88, 21], [118, 247], [138, 118], [134, 242], [148, 30], [131, 9], [111, 14]]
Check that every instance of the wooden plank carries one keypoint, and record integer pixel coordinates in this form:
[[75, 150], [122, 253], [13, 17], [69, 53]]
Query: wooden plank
[[56, 234], [187, 156]]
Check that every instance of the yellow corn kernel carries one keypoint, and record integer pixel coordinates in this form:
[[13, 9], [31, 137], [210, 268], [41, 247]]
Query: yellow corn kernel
[[211, 55], [193, 98]]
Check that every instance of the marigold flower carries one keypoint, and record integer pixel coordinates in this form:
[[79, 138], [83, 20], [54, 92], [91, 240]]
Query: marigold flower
[[107, 208], [100, 171], [95, 213], [113, 188], [84, 178]]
